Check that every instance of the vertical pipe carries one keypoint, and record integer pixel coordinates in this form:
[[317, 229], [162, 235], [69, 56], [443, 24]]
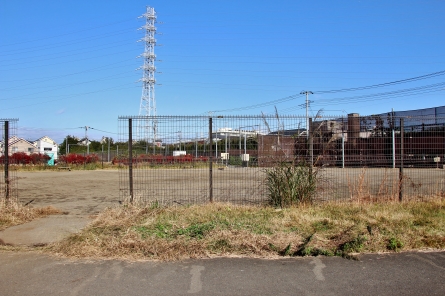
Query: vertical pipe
[[210, 161], [311, 144], [216, 146], [239, 141], [102, 156], [6, 153], [401, 161], [307, 115], [226, 150], [154, 139], [342, 149], [393, 149], [87, 141], [108, 157], [130, 157]]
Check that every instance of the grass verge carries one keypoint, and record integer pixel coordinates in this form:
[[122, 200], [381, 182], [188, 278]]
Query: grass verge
[[177, 233]]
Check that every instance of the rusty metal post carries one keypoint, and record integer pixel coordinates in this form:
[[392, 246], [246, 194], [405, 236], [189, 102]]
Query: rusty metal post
[[130, 157], [210, 161], [401, 161], [6, 153]]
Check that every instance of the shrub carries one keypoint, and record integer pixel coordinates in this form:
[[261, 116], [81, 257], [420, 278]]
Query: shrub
[[38, 158], [24, 159], [290, 184], [74, 158]]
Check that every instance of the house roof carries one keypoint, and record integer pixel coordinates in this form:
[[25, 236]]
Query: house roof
[[15, 141], [46, 139]]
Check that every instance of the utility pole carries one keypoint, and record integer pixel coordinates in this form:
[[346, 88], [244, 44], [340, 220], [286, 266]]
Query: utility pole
[[306, 92], [86, 139]]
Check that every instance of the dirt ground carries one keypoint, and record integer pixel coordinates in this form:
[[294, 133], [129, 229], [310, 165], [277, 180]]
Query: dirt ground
[[76, 192], [89, 192]]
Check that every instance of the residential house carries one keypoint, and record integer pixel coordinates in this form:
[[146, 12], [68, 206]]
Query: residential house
[[46, 145], [18, 145]]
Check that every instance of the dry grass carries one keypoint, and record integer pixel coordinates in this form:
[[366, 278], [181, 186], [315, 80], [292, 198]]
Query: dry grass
[[14, 214], [177, 233]]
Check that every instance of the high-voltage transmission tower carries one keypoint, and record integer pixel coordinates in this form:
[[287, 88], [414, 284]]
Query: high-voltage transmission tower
[[148, 102]]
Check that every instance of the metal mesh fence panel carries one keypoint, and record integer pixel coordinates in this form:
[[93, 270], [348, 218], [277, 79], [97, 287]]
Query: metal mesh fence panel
[[169, 162], [196, 159], [8, 145]]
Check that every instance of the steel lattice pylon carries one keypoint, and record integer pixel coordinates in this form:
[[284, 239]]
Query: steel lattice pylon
[[148, 102]]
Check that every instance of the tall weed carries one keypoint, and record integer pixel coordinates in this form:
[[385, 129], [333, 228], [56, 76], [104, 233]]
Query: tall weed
[[290, 184]]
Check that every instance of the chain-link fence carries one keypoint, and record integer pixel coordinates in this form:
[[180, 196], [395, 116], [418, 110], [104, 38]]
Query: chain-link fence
[[195, 159], [8, 144]]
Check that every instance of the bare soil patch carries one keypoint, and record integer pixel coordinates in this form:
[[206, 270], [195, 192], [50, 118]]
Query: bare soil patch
[[73, 192]]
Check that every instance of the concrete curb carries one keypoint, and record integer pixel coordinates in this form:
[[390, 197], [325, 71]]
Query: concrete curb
[[44, 230]]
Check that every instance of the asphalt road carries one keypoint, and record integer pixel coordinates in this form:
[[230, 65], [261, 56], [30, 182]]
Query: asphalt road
[[389, 274]]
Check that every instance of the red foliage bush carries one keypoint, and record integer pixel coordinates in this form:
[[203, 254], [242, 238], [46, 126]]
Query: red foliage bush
[[161, 159], [23, 158], [74, 158]]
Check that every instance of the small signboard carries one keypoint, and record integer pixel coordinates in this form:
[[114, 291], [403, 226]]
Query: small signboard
[[436, 159], [51, 159]]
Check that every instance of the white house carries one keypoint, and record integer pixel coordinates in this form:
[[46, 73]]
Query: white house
[[46, 145]]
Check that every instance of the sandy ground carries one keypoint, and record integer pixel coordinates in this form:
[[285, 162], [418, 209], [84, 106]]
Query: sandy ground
[[76, 192], [88, 192]]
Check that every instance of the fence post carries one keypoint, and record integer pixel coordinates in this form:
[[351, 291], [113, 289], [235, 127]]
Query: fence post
[[6, 153], [130, 157], [401, 160], [210, 161]]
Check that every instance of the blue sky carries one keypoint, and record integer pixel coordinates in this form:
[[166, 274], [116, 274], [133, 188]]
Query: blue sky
[[68, 64]]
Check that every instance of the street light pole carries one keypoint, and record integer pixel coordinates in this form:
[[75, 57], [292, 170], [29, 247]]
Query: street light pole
[[306, 92]]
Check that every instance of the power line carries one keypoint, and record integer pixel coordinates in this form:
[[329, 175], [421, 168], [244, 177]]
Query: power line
[[103, 131], [289, 98], [429, 88], [431, 75], [374, 97]]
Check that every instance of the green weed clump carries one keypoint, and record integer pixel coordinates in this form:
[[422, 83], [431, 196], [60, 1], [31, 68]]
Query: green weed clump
[[291, 184], [394, 244]]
